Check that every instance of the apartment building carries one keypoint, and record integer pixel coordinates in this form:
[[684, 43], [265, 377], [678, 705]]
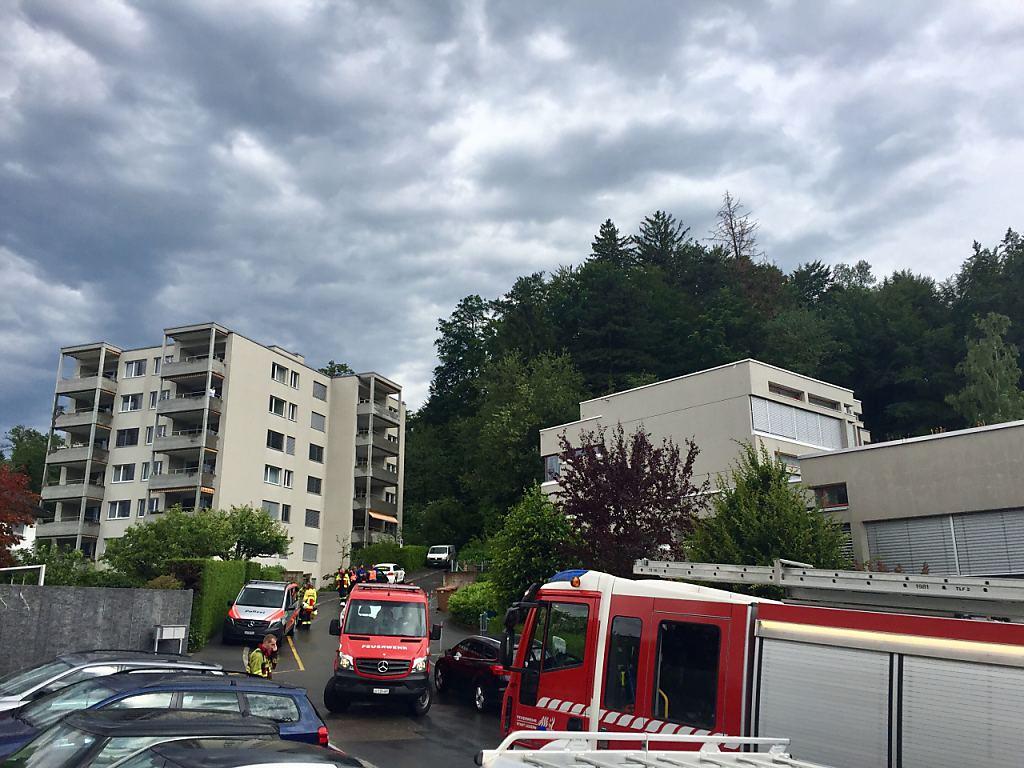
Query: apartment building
[[787, 413], [210, 418], [950, 503]]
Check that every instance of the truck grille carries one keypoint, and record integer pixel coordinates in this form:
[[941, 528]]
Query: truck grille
[[383, 667]]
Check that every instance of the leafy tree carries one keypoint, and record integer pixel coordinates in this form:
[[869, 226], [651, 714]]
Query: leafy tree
[[25, 448], [858, 275], [522, 320], [810, 282], [254, 533], [65, 567], [535, 541], [611, 247], [462, 350], [992, 392], [627, 498], [758, 516], [334, 369], [18, 503], [793, 340], [445, 521]]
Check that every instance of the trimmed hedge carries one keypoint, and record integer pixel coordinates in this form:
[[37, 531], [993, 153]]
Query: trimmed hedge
[[213, 584], [411, 558], [466, 605]]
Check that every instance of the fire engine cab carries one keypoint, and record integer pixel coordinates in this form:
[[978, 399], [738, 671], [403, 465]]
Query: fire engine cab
[[850, 687]]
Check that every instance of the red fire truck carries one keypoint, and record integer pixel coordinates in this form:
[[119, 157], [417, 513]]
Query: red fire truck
[[867, 684]]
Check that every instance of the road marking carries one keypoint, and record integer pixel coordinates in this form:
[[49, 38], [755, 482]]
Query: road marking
[[295, 653]]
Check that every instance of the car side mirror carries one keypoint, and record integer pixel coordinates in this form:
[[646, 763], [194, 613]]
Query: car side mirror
[[335, 628], [435, 632], [506, 651], [230, 603]]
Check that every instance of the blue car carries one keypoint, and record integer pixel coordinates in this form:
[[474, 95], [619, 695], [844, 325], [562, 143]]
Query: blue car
[[286, 705]]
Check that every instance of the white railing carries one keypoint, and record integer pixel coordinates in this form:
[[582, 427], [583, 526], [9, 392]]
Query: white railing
[[13, 570]]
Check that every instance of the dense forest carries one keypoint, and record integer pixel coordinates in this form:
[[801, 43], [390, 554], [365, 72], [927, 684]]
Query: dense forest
[[660, 303]]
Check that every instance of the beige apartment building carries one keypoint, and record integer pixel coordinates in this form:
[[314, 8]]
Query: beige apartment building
[[210, 418], [787, 413], [951, 503]]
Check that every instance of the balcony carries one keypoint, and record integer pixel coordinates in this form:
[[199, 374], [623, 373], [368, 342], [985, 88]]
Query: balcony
[[381, 442], [72, 490], [187, 404], [192, 367], [82, 418], [388, 412], [76, 385], [375, 504], [377, 472], [77, 454], [60, 529], [187, 440], [363, 538], [181, 480]]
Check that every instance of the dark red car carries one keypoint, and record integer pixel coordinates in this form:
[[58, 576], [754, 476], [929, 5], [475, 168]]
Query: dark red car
[[472, 666]]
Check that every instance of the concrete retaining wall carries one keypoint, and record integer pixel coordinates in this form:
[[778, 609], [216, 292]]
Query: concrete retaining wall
[[37, 623]]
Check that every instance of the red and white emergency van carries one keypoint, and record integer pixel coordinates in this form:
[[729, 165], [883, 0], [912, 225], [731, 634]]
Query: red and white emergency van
[[383, 648], [849, 688]]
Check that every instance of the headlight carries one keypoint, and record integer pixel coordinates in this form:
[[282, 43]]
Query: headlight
[[420, 664], [274, 623], [344, 661]]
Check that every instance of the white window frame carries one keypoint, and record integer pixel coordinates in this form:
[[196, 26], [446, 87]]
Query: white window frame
[[277, 368], [118, 505], [284, 405], [156, 365], [149, 435], [293, 412], [140, 508], [269, 471], [293, 379], [144, 472], [286, 513], [288, 478], [131, 369], [152, 399], [130, 399], [117, 473]]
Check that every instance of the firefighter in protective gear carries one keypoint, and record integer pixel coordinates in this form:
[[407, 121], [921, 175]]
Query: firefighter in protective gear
[[309, 598], [263, 658]]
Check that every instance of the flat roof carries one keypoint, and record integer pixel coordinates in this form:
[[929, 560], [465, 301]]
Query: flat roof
[[921, 439], [570, 423], [718, 368]]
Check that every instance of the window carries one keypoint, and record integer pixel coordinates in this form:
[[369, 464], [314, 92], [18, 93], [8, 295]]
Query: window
[[796, 424], [123, 473], [823, 402], [165, 394], [286, 513], [781, 391], [134, 368], [119, 510], [275, 440], [277, 405], [152, 399], [316, 453], [288, 476], [140, 508], [155, 700], [293, 380], [309, 553], [552, 468], [289, 445], [278, 372], [156, 365], [272, 508], [271, 475], [154, 504], [319, 390], [293, 412], [312, 518], [215, 701], [161, 430], [686, 674], [126, 437], [621, 670], [831, 496], [565, 641], [313, 484], [131, 402], [318, 421], [158, 467], [149, 435], [280, 709]]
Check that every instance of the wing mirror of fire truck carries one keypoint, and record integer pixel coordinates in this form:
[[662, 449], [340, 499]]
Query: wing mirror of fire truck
[[335, 628]]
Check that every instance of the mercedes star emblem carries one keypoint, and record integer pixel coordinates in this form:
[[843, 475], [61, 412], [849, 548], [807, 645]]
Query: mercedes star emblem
[[382, 666]]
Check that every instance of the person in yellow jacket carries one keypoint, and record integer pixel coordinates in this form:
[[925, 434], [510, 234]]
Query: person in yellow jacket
[[309, 598], [263, 658]]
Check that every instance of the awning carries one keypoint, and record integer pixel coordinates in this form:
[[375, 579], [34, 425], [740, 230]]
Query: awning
[[385, 518]]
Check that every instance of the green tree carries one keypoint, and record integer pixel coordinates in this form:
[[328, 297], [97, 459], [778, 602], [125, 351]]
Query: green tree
[[660, 239], [611, 247], [25, 448], [334, 369], [462, 352], [254, 533], [758, 516], [64, 567], [535, 542], [992, 392]]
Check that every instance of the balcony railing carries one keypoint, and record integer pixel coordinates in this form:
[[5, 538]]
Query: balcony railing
[[78, 384], [377, 472], [375, 504], [365, 407], [58, 529], [76, 453], [380, 441], [187, 404], [72, 490], [181, 479], [193, 366], [83, 417], [186, 440]]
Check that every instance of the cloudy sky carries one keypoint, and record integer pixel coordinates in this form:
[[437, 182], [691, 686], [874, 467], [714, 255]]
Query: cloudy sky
[[333, 176]]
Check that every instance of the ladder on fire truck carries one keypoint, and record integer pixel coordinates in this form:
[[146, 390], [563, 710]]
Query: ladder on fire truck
[[579, 749], [965, 596]]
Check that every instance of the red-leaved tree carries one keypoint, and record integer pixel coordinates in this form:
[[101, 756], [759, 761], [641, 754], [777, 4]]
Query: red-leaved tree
[[627, 498], [17, 506]]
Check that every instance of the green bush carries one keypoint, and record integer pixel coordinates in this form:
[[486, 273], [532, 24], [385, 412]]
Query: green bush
[[466, 605], [411, 558], [414, 557], [164, 582], [475, 551], [252, 570], [213, 583], [271, 573]]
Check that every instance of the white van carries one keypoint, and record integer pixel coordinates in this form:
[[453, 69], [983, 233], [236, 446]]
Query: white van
[[440, 555]]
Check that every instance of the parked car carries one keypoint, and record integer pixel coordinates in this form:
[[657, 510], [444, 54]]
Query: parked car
[[217, 753], [262, 607], [286, 705], [395, 573], [25, 685], [472, 666], [111, 736], [440, 555]]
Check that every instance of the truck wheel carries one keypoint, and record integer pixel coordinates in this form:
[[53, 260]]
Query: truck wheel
[[420, 706], [481, 696], [335, 704]]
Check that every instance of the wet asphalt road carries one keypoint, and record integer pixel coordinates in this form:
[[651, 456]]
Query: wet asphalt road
[[449, 736]]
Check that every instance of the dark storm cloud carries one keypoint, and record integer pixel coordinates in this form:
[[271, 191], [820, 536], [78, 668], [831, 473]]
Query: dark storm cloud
[[334, 176]]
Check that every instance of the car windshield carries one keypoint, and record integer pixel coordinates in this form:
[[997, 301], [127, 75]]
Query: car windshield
[[49, 709], [55, 747], [17, 683], [438, 550], [395, 619], [260, 597]]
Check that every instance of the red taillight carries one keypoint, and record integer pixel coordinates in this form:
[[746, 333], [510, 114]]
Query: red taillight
[[322, 736], [497, 669]]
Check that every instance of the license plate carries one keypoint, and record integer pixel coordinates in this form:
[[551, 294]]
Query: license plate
[[382, 690], [250, 631]]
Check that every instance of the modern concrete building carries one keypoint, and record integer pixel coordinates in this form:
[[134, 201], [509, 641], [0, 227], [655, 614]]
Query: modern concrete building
[[952, 502], [210, 418], [787, 413]]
